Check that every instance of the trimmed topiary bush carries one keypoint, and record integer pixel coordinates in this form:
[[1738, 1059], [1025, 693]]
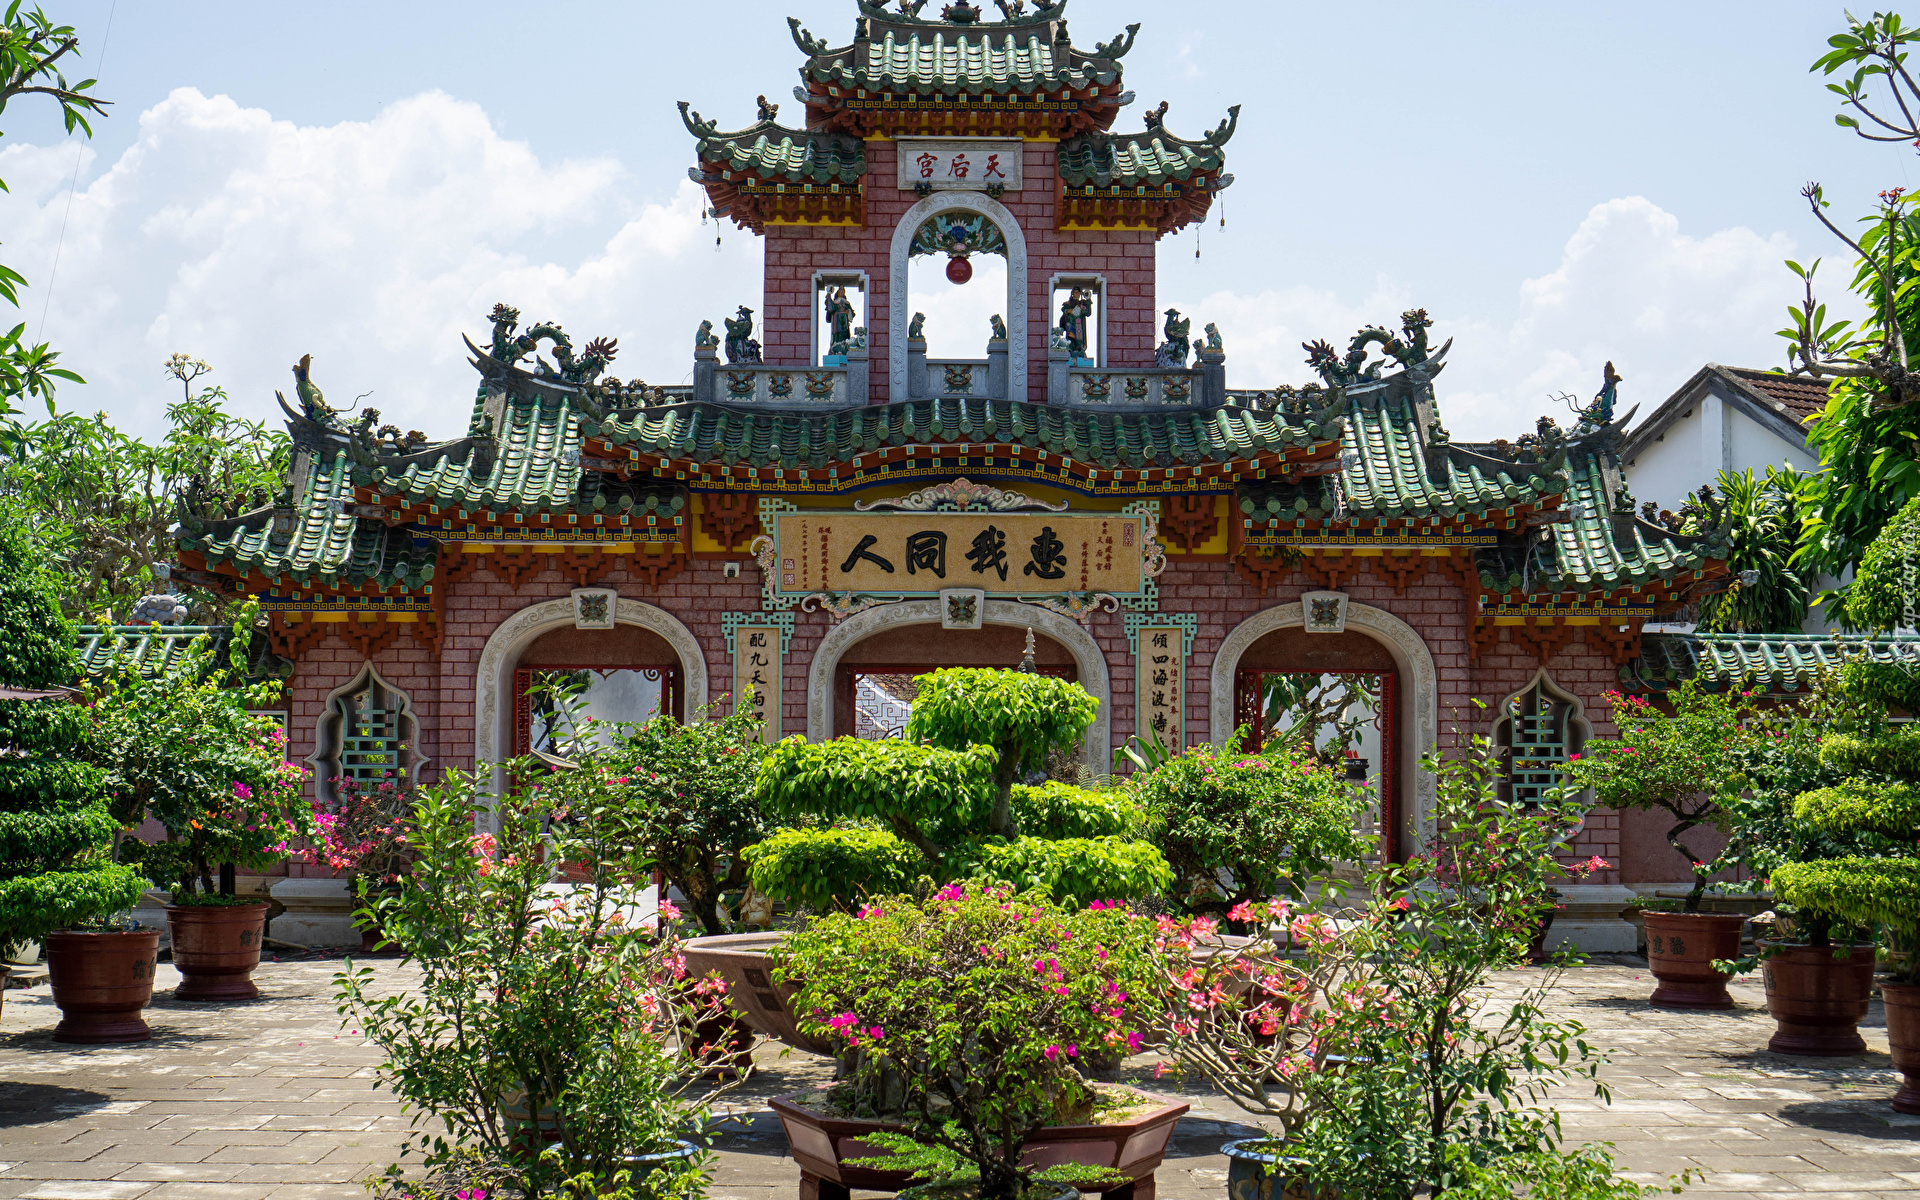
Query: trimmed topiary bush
[[56, 833]]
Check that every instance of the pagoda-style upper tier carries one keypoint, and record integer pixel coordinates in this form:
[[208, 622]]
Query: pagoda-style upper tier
[[960, 75]]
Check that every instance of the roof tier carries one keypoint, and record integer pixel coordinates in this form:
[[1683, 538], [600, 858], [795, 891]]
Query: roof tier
[[767, 172], [1149, 179], [1772, 662]]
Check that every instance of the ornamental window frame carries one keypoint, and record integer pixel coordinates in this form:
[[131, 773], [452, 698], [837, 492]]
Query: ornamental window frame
[[1570, 735], [332, 737]]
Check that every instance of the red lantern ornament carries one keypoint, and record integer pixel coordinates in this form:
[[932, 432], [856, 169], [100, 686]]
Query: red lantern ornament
[[959, 270]]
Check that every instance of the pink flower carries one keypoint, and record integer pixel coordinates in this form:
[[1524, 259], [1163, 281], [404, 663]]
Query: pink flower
[[1242, 911], [669, 910], [241, 791], [1052, 1052]]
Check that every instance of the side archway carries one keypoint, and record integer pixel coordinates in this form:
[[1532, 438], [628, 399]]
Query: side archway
[[897, 299], [493, 683], [1088, 658], [1410, 657]]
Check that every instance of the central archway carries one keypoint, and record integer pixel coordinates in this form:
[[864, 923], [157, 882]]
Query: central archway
[[897, 299], [1088, 659]]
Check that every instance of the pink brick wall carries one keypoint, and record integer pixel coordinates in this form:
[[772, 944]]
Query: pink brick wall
[[795, 252], [442, 689]]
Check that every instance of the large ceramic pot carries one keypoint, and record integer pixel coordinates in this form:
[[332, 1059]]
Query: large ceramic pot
[[1681, 948], [1817, 1000], [745, 962], [822, 1144], [1902, 1002], [101, 981], [215, 948], [1255, 1174]]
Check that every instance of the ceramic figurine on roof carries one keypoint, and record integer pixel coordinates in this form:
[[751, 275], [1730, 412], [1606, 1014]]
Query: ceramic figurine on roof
[[1173, 351], [313, 403], [839, 317], [1073, 321], [741, 347]]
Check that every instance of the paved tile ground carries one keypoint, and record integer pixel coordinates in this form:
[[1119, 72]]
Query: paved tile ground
[[272, 1100]]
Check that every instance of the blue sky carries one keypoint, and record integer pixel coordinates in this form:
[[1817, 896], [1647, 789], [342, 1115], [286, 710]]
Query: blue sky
[[1557, 183]]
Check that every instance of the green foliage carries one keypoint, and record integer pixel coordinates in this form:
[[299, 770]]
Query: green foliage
[[1022, 716], [1864, 891], [1763, 523], [1889, 809], [56, 833], [1238, 826], [688, 794], [1882, 686], [1583, 1174], [1886, 588], [1890, 752], [182, 746], [532, 1006], [1686, 764], [972, 1013], [1072, 870], [1061, 810], [105, 502], [892, 781], [825, 870]]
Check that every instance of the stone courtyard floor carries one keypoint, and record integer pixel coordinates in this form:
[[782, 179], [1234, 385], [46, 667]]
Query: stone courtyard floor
[[273, 1100]]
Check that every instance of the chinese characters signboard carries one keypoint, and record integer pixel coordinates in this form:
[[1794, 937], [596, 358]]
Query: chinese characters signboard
[[1160, 692], [959, 164], [756, 664], [925, 553]]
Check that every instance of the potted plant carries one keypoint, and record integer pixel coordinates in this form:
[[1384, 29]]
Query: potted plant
[[874, 818], [1361, 1026], [540, 1037], [59, 883], [183, 746], [362, 828], [1688, 765], [1237, 827], [965, 1021]]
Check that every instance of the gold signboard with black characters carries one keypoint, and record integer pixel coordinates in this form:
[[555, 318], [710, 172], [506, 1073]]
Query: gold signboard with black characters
[[922, 553]]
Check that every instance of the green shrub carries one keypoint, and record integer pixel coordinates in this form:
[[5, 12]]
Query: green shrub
[[1864, 891], [1884, 586], [1890, 809], [1073, 870], [1891, 753], [1061, 810], [832, 869], [56, 831], [1882, 685]]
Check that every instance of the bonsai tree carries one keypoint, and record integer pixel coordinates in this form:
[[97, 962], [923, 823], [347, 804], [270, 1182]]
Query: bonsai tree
[[181, 746], [56, 834], [687, 794], [1687, 765], [1877, 801], [541, 1016], [1237, 827], [943, 804], [969, 1016]]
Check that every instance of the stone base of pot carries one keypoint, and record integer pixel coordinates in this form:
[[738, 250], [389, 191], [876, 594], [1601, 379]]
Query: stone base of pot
[[1817, 1000], [1681, 948], [215, 948], [101, 981], [1256, 1174], [822, 1145], [745, 961], [1902, 1002]]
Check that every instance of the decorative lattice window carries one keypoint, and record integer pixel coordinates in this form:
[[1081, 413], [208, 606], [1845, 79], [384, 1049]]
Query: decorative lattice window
[[366, 733], [1538, 728]]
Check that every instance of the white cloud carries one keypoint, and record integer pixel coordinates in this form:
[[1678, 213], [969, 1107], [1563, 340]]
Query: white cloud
[[249, 241], [1630, 287]]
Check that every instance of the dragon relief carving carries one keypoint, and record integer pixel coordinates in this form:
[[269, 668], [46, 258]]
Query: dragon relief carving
[[1411, 352], [510, 347]]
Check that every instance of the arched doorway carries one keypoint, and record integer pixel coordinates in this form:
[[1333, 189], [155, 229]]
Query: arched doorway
[[627, 673], [873, 686], [923, 617], [1385, 656]]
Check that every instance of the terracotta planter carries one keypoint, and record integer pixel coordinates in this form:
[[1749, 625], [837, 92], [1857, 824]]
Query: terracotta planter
[[1681, 948], [101, 981], [745, 961], [821, 1145], [1902, 1002], [1253, 1174], [215, 948], [1817, 1000]]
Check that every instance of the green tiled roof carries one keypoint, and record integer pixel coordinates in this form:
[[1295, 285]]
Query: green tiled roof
[[160, 649], [715, 433], [900, 54], [775, 153], [1150, 157], [1773, 662]]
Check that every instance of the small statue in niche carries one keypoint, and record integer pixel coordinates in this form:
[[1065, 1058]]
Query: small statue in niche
[[916, 328], [741, 346], [1173, 351], [1073, 321], [839, 318], [998, 327]]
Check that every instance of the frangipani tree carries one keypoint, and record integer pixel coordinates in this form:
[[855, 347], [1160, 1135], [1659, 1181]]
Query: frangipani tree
[[877, 817]]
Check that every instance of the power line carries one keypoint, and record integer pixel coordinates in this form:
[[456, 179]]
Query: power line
[[79, 156]]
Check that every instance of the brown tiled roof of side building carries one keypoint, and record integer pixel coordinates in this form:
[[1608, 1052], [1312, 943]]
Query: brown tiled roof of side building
[[1798, 395]]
